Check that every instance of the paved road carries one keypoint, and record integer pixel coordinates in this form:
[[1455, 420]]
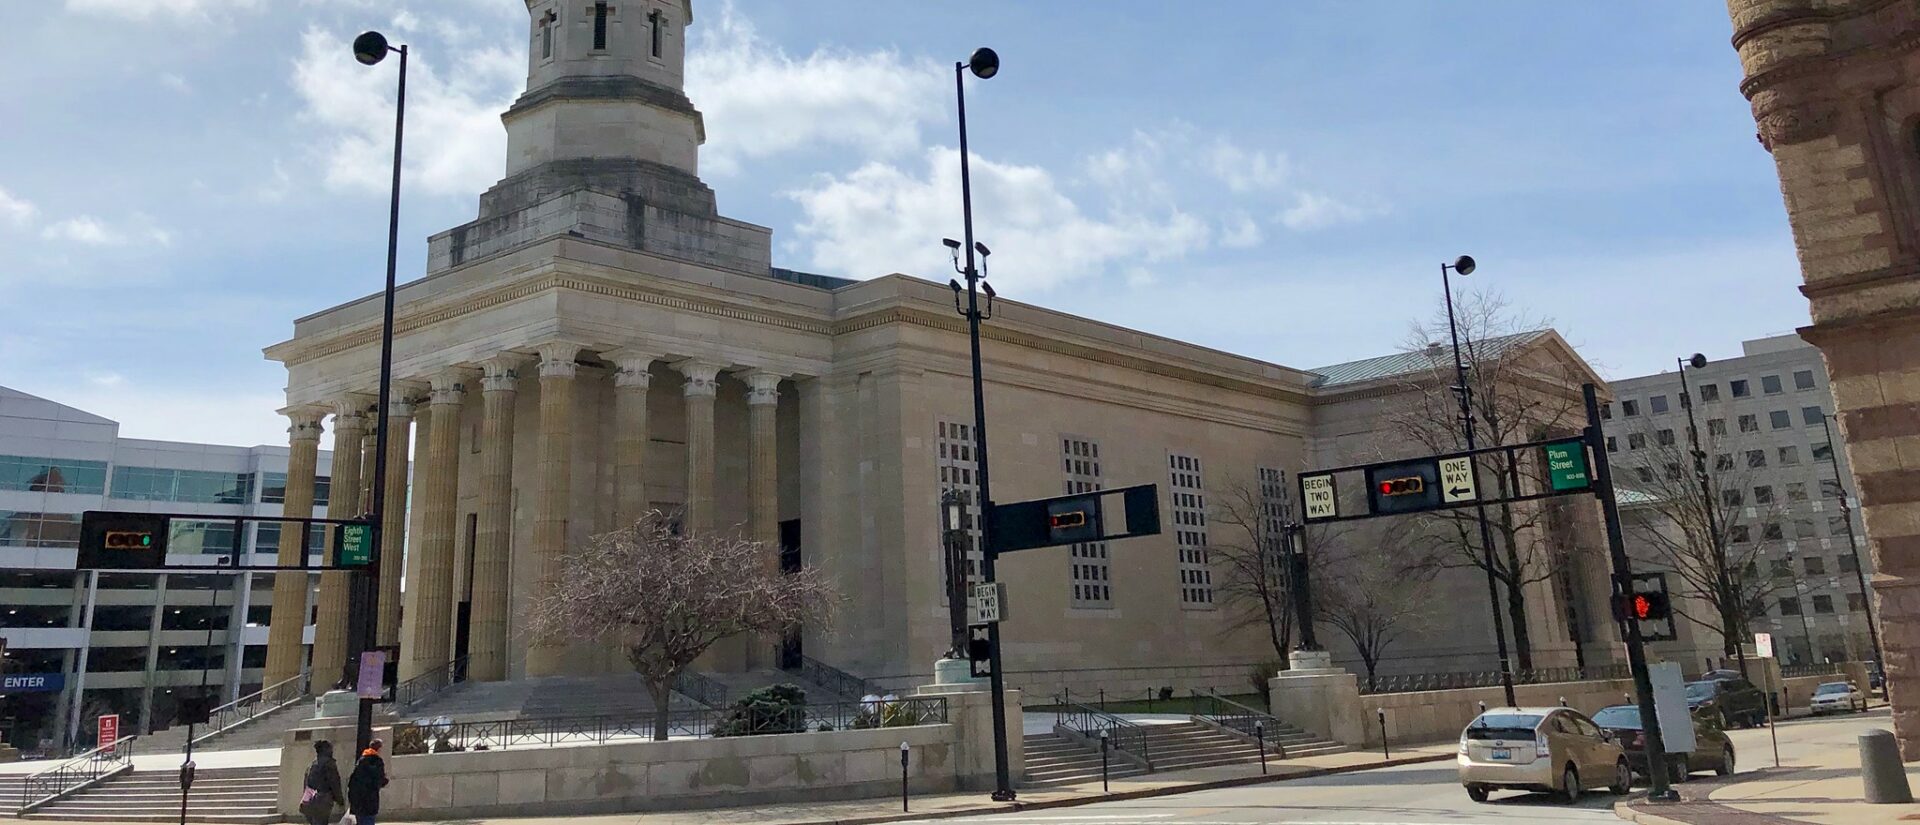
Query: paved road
[[1427, 794]]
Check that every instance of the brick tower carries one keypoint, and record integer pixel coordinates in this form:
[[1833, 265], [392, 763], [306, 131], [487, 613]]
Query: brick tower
[[1835, 87]]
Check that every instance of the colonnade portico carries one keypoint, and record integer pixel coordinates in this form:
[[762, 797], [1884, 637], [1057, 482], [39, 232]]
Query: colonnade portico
[[550, 497]]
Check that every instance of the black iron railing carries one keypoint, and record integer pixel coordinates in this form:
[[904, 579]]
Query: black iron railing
[[1226, 713], [843, 684], [1414, 682], [419, 688], [252, 706], [700, 689], [1810, 669], [74, 774], [1091, 722], [431, 737]]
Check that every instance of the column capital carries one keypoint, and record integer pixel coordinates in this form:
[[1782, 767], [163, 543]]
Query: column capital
[[404, 396], [350, 411], [558, 359], [501, 373], [763, 386], [306, 421], [449, 385], [632, 367], [702, 376]]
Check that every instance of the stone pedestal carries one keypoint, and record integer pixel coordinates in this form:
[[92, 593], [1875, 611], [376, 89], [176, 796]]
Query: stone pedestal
[[336, 703], [1320, 699], [947, 672], [970, 711]]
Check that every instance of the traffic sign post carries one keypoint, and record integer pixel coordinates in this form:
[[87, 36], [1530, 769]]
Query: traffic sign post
[[1567, 466], [1457, 480], [1319, 497], [987, 603]]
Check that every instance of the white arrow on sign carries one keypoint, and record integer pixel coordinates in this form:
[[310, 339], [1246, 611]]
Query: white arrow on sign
[[1317, 493], [1456, 480]]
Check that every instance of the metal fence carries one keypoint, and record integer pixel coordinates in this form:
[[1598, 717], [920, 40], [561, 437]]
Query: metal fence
[[253, 706], [700, 689], [1092, 723], [1414, 682], [76, 773], [1812, 669], [842, 683], [419, 688], [1226, 713], [765, 720]]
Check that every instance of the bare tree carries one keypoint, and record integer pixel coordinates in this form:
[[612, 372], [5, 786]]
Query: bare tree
[[1366, 593], [1672, 522], [666, 597], [1521, 393], [1246, 543]]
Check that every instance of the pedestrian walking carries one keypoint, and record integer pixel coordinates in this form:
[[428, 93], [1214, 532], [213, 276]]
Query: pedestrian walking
[[321, 791], [363, 786]]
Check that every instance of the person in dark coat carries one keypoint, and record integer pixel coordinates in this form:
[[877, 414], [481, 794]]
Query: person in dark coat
[[363, 786], [321, 791]]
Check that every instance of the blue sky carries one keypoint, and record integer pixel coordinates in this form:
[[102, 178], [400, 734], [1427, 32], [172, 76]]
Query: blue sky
[[179, 179]]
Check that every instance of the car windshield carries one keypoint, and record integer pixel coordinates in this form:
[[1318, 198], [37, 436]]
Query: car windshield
[[1618, 716], [1503, 726], [1830, 688], [1701, 690]]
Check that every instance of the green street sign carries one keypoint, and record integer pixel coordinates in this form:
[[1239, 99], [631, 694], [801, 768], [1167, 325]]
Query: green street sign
[[1567, 466], [353, 545]]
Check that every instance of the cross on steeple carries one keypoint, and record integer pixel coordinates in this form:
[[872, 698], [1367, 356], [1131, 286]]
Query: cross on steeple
[[547, 23], [601, 11]]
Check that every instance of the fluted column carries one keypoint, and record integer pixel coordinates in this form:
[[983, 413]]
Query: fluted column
[[330, 626], [763, 468], [487, 648], [700, 389], [285, 650], [393, 523], [630, 437], [429, 628], [553, 500]]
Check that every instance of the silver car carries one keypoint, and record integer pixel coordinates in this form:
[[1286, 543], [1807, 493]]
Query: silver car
[[1555, 750], [1837, 697]]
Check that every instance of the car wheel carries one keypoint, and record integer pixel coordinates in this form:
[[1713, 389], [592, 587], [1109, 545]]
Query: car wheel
[[1726, 762], [1678, 768], [1622, 778], [1477, 793], [1570, 785]]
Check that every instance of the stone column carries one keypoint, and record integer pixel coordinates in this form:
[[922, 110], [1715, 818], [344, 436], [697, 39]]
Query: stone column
[[763, 476], [487, 650], [701, 387], [630, 435], [285, 650], [330, 626], [393, 523], [429, 629], [553, 500]]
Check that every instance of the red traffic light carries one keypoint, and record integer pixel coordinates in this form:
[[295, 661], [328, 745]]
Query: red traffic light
[[1402, 486], [1060, 521], [1642, 606]]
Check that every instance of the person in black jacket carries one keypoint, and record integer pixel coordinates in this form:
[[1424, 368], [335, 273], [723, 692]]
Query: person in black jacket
[[321, 791], [363, 786]]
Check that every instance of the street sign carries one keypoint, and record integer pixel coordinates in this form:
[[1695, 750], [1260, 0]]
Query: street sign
[[1317, 493], [1670, 706], [353, 545], [121, 541], [980, 650], [373, 667], [109, 731], [1567, 466], [1763, 645], [33, 682], [1403, 487], [1456, 480], [986, 603]]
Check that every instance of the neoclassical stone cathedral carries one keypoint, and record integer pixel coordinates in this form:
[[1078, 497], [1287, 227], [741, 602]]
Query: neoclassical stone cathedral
[[601, 341]]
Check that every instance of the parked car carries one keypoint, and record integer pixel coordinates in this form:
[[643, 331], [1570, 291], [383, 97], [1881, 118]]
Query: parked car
[[1712, 750], [1734, 699], [1554, 750], [1837, 697]]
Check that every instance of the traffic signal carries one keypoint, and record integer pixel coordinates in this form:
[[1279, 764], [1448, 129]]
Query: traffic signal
[[1404, 486], [1643, 607], [128, 540], [1647, 604], [122, 541]]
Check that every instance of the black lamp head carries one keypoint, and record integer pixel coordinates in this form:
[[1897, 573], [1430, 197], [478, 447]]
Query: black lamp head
[[1463, 264], [987, 287], [985, 63], [982, 249], [1697, 361], [951, 243], [370, 48], [955, 285]]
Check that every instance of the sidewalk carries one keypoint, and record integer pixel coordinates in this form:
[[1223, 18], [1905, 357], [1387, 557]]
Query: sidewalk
[[1818, 782], [956, 805]]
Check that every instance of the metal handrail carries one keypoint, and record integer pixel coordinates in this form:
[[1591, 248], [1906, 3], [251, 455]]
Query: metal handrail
[[842, 683], [417, 689], [1810, 669], [81, 771], [435, 737], [1090, 722], [253, 706], [1240, 718], [701, 688], [1415, 682]]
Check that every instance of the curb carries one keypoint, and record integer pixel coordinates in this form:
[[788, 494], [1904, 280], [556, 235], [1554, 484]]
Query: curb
[[1624, 810], [1145, 793]]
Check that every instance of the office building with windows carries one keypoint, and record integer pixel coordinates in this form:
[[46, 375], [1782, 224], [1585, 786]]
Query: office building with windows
[[78, 647], [1783, 491]]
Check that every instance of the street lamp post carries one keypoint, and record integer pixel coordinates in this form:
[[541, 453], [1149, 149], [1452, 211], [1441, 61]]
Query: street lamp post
[[1464, 390], [1804, 598], [371, 48], [1853, 546], [1731, 603], [953, 534], [984, 63]]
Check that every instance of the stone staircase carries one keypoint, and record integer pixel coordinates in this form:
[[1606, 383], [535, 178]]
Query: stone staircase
[[741, 684], [265, 731], [1053, 759], [617, 695], [241, 796]]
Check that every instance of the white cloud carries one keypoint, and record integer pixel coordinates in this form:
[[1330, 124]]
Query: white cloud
[[881, 218], [148, 9], [175, 82], [91, 231], [165, 411], [1314, 211], [455, 112], [759, 101], [1241, 231], [1245, 170], [16, 211]]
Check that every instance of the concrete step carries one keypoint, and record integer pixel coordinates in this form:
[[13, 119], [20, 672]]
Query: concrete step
[[219, 795]]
